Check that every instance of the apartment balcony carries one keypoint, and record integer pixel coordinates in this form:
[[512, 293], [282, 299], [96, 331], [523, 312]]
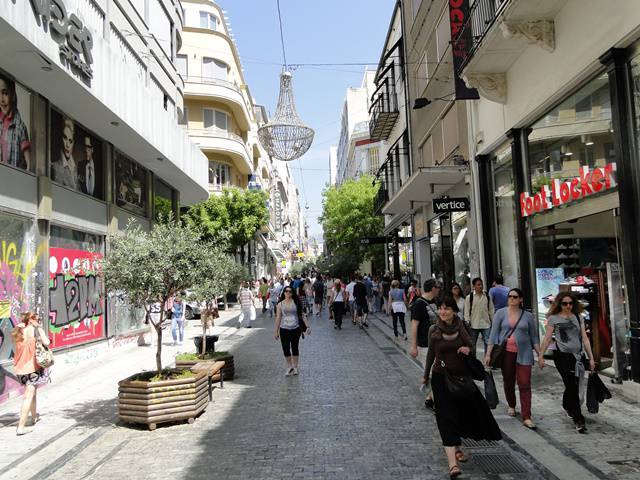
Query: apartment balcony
[[384, 110], [500, 31], [227, 143], [223, 91], [382, 197]]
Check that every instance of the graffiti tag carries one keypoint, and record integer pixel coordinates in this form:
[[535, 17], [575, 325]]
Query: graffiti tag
[[76, 299]]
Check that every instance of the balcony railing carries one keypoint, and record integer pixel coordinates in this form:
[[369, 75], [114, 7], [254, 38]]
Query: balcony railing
[[382, 197], [384, 109], [482, 15], [216, 133], [213, 81]]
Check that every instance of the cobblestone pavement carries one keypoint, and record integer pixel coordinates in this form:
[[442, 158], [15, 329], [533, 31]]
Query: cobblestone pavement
[[353, 412]]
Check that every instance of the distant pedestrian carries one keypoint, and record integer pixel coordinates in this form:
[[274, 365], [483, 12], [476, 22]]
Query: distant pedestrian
[[398, 302], [328, 286], [478, 312], [275, 290], [26, 368], [458, 296], [520, 330], [376, 288], [413, 292], [178, 320], [247, 308], [307, 289], [263, 293], [499, 293], [385, 284], [289, 318], [352, 300], [424, 314], [339, 297], [369, 286], [360, 302], [318, 294], [566, 332], [457, 418]]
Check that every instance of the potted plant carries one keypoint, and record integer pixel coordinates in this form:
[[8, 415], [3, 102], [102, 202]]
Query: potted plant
[[150, 267]]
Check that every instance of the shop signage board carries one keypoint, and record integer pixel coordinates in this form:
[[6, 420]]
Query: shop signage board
[[76, 298], [75, 40], [461, 44], [588, 182], [444, 205], [548, 282], [372, 240]]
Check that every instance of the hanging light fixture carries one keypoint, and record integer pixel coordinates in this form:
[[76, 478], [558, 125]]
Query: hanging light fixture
[[285, 136]]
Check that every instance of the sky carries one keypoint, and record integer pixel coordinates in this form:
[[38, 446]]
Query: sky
[[315, 31]]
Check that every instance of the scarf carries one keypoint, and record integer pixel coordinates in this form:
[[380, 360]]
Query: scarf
[[449, 329]]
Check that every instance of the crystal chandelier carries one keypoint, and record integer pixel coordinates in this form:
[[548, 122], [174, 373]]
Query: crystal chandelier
[[285, 136]]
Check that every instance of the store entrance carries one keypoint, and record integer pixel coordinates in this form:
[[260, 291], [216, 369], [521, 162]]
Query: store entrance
[[581, 255]]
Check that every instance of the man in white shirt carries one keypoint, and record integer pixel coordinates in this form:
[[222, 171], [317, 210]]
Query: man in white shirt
[[478, 311], [352, 308]]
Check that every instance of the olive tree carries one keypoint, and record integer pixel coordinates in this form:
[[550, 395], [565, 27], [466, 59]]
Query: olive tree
[[150, 267]]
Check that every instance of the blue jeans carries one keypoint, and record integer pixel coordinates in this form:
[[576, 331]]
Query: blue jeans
[[177, 329], [476, 332]]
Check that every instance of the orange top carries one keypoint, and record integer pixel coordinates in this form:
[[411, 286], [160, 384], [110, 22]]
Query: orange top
[[24, 359]]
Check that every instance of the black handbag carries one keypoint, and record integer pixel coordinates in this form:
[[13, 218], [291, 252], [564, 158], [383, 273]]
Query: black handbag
[[459, 386], [475, 366], [498, 352]]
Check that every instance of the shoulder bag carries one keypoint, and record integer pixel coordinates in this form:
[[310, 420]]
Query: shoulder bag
[[498, 352], [459, 386], [44, 356]]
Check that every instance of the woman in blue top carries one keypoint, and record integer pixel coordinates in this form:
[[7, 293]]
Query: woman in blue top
[[398, 302], [518, 358], [177, 320]]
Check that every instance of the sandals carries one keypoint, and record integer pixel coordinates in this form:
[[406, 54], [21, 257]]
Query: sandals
[[461, 456], [511, 412], [454, 471], [529, 424]]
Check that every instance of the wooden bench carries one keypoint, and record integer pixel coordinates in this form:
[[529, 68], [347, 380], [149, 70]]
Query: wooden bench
[[213, 370]]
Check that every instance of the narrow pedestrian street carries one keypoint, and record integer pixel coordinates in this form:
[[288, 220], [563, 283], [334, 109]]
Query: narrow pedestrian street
[[355, 411]]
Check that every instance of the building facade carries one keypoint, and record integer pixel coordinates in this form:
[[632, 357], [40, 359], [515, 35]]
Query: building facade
[[556, 150], [89, 141], [223, 120]]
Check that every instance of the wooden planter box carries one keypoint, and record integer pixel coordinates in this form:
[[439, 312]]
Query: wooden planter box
[[229, 369], [163, 401]]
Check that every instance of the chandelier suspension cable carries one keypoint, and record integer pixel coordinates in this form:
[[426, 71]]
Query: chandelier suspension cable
[[284, 53]]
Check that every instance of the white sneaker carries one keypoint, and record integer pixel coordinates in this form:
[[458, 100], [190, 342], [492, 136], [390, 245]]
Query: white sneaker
[[295, 371], [289, 372]]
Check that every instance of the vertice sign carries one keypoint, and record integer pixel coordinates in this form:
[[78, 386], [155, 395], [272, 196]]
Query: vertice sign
[[589, 182], [447, 204]]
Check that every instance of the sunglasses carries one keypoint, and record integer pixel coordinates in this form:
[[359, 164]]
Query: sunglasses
[[514, 296], [288, 291], [566, 304]]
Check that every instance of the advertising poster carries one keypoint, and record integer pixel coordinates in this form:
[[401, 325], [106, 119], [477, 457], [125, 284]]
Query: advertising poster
[[618, 319], [76, 156], [76, 298], [131, 181], [15, 119], [548, 282]]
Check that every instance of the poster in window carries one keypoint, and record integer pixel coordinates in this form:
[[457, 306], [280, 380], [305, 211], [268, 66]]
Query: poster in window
[[76, 156], [131, 181], [15, 116], [76, 297]]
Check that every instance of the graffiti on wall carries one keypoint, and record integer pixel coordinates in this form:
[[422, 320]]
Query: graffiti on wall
[[76, 297], [17, 271]]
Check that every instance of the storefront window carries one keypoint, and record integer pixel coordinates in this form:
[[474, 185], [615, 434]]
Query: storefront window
[[162, 199], [15, 125], [76, 156], [437, 260], [577, 133], [76, 292], [131, 184], [635, 74], [460, 246], [504, 185], [18, 293]]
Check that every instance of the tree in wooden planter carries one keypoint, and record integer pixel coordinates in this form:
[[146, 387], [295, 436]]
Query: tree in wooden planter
[[215, 272], [151, 267]]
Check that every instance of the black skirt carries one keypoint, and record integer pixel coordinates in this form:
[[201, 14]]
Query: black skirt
[[462, 418]]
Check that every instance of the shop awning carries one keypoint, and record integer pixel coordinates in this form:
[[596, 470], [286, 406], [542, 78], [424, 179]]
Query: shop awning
[[424, 185]]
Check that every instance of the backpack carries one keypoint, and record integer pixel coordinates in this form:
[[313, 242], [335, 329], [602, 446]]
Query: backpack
[[423, 327], [471, 295]]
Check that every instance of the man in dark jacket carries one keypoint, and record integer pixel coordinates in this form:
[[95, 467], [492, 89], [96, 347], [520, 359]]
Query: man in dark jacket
[[361, 304]]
